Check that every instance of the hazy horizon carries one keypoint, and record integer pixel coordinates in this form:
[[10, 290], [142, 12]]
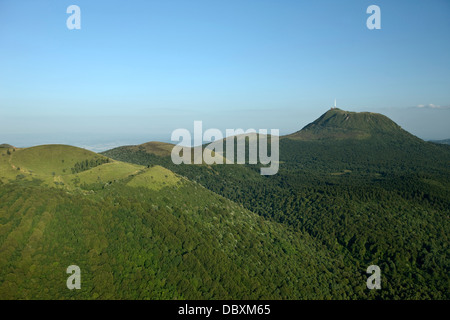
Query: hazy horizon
[[99, 142], [134, 73]]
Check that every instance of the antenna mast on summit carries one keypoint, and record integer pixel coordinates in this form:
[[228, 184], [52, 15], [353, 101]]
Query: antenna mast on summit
[[334, 103]]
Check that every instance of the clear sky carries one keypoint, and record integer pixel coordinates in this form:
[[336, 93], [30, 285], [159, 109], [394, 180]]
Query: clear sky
[[137, 70]]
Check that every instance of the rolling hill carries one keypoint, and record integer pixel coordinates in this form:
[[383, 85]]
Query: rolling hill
[[60, 165], [153, 147]]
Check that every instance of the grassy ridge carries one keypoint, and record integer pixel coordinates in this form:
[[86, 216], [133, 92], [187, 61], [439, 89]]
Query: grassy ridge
[[49, 159], [54, 164]]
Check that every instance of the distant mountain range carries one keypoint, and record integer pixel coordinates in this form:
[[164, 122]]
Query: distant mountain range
[[353, 190], [445, 141]]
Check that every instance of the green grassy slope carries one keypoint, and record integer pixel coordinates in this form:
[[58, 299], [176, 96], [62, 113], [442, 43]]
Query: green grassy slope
[[47, 162], [71, 167], [47, 159], [156, 178]]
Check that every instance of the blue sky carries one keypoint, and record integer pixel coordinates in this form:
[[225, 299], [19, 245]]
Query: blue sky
[[137, 70]]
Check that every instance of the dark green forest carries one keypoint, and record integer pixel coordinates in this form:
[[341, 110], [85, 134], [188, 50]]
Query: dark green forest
[[180, 243]]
